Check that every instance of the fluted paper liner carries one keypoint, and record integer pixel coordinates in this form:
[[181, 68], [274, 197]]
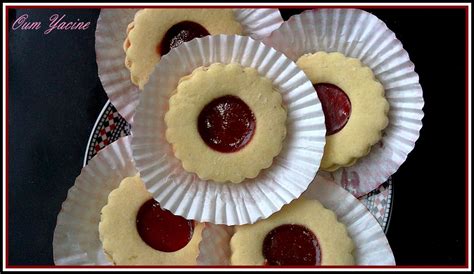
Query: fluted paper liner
[[182, 192], [110, 36], [76, 236], [371, 245], [359, 34]]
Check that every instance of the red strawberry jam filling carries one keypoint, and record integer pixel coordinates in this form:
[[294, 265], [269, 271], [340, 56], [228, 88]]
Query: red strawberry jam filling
[[162, 230], [182, 32], [291, 245], [226, 124], [336, 106]]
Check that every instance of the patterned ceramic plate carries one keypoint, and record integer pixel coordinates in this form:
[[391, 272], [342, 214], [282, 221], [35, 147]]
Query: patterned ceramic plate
[[110, 126]]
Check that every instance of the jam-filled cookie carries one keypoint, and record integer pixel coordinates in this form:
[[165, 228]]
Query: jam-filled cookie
[[354, 106], [226, 122], [135, 230], [301, 233], [155, 31]]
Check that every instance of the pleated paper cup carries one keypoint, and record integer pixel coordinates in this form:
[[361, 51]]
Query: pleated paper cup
[[76, 236], [371, 246], [359, 34], [110, 35], [184, 193]]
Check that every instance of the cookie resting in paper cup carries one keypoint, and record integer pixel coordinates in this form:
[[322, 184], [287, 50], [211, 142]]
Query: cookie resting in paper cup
[[260, 82], [76, 236], [359, 34], [329, 224], [116, 33], [154, 32], [135, 230], [293, 237], [353, 103]]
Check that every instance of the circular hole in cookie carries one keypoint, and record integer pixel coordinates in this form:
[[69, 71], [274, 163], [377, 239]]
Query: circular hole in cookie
[[226, 124], [161, 229], [179, 33], [336, 106], [291, 244]]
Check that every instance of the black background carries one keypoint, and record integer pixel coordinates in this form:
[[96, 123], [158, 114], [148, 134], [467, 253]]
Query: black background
[[55, 97]]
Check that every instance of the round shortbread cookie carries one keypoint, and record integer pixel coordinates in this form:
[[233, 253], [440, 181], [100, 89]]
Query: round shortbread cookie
[[335, 246], [121, 240], [193, 95], [369, 108], [146, 32]]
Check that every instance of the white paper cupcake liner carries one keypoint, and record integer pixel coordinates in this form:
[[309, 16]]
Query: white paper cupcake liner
[[371, 245], [258, 23], [76, 236], [359, 34], [183, 193], [110, 36]]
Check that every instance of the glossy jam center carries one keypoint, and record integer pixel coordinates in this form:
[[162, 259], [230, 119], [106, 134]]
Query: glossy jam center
[[291, 245], [336, 106], [162, 230], [182, 32], [226, 124]]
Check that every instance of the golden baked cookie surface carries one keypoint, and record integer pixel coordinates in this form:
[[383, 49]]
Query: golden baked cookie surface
[[120, 238], [198, 129], [368, 106], [146, 33], [335, 246]]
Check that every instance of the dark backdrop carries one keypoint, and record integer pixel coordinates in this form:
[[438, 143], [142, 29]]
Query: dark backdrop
[[55, 96]]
